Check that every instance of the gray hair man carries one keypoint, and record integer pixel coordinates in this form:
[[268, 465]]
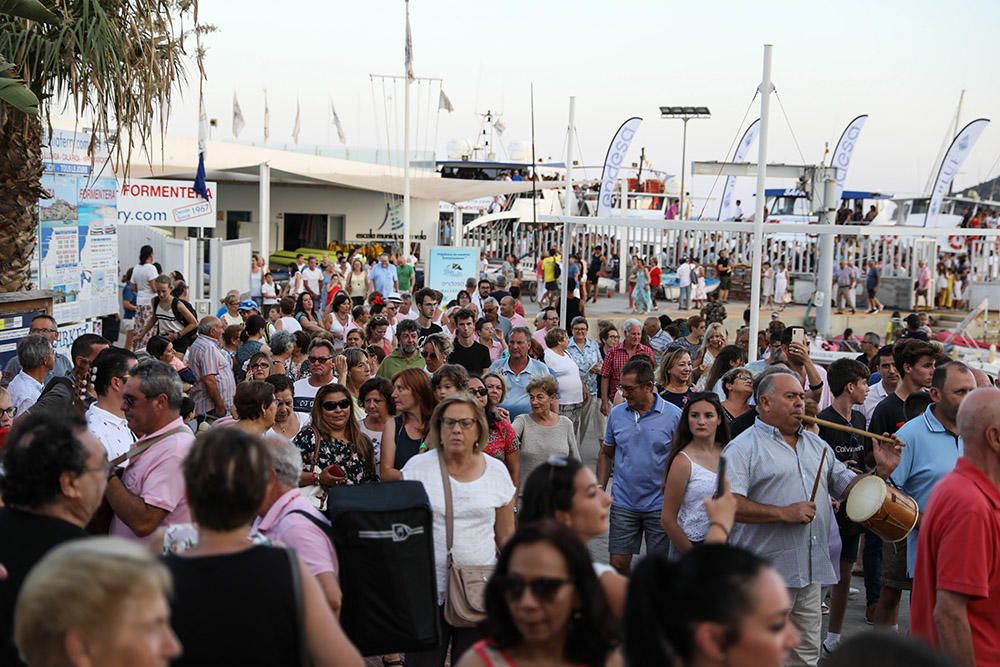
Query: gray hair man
[[617, 357], [151, 492], [771, 468], [215, 389], [42, 325], [287, 516], [37, 359]]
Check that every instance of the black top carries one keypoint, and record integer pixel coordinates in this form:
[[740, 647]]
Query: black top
[[680, 400], [475, 358], [24, 539], [849, 449], [888, 415], [235, 609], [743, 422], [406, 447], [432, 329]]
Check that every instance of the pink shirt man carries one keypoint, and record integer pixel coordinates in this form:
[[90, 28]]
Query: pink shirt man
[[310, 543], [518, 320], [156, 477]]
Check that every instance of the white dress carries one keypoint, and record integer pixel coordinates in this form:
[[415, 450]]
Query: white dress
[[768, 283], [698, 281], [780, 286]]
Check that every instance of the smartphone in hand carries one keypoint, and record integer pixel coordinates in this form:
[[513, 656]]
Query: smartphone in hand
[[720, 482], [798, 335]]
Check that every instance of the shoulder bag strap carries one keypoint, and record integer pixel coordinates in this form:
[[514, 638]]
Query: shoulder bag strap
[[300, 606], [449, 517], [144, 445], [319, 440]]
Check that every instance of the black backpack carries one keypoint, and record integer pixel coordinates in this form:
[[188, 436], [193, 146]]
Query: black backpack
[[181, 343]]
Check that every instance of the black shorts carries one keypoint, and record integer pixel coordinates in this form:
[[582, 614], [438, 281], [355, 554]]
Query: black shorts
[[724, 280], [552, 286], [871, 292], [849, 541]]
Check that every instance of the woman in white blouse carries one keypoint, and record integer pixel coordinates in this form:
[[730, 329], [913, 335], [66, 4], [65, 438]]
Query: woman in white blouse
[[483, 501]]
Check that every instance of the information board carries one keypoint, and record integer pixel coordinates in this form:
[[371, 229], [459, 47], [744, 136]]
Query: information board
[[449, 267]]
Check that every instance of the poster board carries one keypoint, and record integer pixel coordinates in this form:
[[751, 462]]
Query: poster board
[[165, 203], [449, 267]]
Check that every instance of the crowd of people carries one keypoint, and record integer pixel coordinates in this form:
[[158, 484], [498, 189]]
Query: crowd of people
[[167, 500]]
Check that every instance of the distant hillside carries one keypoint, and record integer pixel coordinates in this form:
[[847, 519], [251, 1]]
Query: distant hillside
[[986, 190]]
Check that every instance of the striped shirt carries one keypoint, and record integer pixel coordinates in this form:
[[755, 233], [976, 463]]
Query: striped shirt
[[206, 357]]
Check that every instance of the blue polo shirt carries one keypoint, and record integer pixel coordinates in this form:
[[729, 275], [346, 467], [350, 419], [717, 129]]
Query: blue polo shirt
[[382, 278], [930, 453], [641, 445], [516, 401]]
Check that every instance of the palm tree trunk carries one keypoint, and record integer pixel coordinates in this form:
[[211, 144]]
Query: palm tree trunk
[[20, 190]]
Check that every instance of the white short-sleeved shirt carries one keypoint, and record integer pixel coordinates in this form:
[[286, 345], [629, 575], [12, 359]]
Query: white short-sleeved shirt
[[312, 277], [141, 275], [475, 505], [290, 324], [111, 430], [567, 376], [24, 391]]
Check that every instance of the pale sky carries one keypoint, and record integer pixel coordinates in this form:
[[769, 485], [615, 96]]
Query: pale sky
[[903, 63]]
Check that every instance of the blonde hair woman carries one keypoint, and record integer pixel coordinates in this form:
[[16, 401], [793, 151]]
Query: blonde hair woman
[[711, 344], [101, 601]]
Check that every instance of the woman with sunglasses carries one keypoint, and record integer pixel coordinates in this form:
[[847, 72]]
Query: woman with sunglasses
[[482, 505], [692, 470], [737, 385], [447, 380], [435, 350], [544, 605], [403, 436], [503, 443], [717, 605], [567, 491], [675, 377], [334, 450]]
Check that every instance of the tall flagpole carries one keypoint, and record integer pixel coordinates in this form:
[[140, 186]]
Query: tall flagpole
[[408, 75], [758, 216]]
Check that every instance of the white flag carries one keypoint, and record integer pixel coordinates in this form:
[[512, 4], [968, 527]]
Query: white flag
[[238, 122], [298, 123], [408, 50], [499, 126], [741, 154], [444, 103], [335, 119], [267, 119], [613, 162], [953, 160], [845, 149]]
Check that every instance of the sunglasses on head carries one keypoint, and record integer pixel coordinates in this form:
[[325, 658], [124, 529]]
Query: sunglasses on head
[[543, 589], [343, 404]]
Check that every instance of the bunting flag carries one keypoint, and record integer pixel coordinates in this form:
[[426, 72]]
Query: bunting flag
[[298, 122], [741, 154], [335, 119], [844, 151], [499, 126], [444, 103], [408, 50], [199, 180], [238, 122], [953, 160], [267, 119], [613, 162]]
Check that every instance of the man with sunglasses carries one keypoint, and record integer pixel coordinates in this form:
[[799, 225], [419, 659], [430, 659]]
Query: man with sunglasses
[[151, 492], [215, 388], [320, 358], [105, 417], [42, 325], [635, 447], [406, 355]]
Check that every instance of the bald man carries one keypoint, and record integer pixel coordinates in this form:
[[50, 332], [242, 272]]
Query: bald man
[[982, 379], [956, 584]]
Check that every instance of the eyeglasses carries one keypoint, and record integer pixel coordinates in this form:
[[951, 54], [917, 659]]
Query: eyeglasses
[[129, 400], [261, 366], [745, 378], [8, 412], [319, 360], [429, 355], [448, 423], [479, 391], [543, 589], [42, 331], [342, 404]]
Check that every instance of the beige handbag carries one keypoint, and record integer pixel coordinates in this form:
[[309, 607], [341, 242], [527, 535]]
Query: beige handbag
[[315, 493], [465, 597]]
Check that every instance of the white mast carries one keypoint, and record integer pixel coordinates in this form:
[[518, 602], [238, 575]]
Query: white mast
[[568, 210], [408, 77], [758, 217]]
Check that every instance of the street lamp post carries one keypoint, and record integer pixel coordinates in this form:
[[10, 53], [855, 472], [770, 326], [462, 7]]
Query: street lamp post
[[685, 114]]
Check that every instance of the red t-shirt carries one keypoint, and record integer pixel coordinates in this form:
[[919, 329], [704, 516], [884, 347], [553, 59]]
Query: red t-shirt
[[959, 551], [654, 276]]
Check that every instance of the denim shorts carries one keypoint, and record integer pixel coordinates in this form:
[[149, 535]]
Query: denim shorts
[[628, 527]]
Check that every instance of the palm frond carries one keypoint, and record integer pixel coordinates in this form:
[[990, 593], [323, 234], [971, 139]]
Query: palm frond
[[32, 10]]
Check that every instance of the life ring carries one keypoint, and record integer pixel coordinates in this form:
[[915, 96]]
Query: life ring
[[956, 243]]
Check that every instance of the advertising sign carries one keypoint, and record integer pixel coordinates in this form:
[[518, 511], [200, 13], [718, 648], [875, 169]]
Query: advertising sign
[[163, 203], [449, 268]]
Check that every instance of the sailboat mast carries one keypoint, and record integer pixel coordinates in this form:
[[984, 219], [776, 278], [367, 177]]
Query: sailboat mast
[[534, 162], [407, 76]]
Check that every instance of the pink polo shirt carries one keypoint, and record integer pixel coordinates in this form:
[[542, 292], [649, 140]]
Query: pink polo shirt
[[156, 477], [310, 543]]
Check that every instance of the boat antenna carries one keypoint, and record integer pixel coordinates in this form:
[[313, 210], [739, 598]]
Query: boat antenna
[[534, 162]]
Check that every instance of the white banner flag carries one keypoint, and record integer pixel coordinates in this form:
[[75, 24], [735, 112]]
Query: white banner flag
[[742, 151], [953, 160], [613, 162], [298, 122], [444, 103], [408, 49], [238, 122], [335, 119], [267, 119], [845, 149]]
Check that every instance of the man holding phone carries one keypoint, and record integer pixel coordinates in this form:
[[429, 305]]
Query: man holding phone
[[795, 353]]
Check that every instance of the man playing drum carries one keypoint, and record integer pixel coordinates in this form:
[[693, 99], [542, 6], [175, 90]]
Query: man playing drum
[[780, 473]]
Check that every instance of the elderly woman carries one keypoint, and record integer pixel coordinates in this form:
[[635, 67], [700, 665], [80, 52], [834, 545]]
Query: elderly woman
[[6, 410], [254, 406], [259, 367], [286, 420], [737, 385], [503, 443], [572, 393], [231, 315], [435, 350], [101, 601], [543, 432], [481, 495], [404, 435], [354, 338], [253, 342], [334, 450], [227, 588], [447, 380]]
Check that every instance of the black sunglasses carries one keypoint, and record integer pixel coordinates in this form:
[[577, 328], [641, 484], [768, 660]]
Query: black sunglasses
[[343, 404], [480, 391], [543, 589]]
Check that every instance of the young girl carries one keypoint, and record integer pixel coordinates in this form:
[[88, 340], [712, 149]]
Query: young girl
[[780, 286], [768, 285], [698, 292], [692, 466]]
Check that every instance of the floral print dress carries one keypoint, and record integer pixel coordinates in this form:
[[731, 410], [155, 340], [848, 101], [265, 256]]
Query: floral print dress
[[503, 440], [333, 450]]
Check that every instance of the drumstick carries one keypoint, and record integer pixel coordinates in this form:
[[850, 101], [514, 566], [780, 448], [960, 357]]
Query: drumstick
[[849, 429], [819, 474]]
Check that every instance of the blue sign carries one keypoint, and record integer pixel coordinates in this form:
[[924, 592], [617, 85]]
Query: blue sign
[[449, 268]]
